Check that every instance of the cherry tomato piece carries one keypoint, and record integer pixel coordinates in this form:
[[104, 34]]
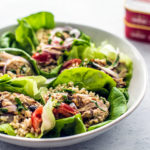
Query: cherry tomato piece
[[70, 63], [36, 119], [64, 110], [42, 57]]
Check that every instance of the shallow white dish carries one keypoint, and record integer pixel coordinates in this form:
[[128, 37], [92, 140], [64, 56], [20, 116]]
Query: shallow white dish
[[136, 90]]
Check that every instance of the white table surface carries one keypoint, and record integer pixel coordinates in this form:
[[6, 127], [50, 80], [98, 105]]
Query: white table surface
[[133, 133]]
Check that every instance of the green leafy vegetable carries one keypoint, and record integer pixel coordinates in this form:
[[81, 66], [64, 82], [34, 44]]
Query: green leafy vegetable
[[20, 107], [129, 65], [88, 78], [8, 39], [26, 37], [67, 126], [48, 119], [125, 93], [7, 129], [99, 125], [25, 85], [53, 73], [118, 103], [4, 78], [41, 20]]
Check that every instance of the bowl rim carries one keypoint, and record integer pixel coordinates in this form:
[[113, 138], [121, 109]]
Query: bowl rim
[[129, 111]]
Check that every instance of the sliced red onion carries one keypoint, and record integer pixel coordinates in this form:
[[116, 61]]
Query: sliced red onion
[[9, 61], [76, 32], [107, 70], [11, 108]]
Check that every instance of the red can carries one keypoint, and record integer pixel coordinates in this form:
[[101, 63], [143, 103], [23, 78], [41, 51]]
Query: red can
[[137, 19], [137, 32]]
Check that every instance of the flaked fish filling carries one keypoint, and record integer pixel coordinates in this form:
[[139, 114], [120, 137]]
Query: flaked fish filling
[[15, 66], [16, 109], [54, 42], [93, 109]]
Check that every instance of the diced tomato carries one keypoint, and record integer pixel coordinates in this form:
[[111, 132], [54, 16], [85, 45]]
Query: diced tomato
[[36, 119], [64, 110], [70, 63], [42, 57]]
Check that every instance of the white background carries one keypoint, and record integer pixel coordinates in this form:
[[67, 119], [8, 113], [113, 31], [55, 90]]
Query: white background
[[133, 133]]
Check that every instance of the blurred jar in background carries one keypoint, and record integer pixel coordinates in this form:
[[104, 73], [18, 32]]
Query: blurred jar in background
[[137, 20]]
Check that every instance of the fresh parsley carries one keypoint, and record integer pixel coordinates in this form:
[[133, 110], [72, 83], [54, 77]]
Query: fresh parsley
[[97, 105], [20, 107]]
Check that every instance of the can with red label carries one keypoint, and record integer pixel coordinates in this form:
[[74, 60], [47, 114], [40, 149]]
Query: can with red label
[[137, 32], [137, 19]]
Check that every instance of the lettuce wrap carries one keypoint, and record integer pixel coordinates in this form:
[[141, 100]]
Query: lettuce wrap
[[118, 106], [88, 78]]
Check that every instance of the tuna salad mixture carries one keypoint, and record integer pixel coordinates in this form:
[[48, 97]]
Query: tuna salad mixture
[[15, 66], [52, 44], [17, 109], [93, 109]]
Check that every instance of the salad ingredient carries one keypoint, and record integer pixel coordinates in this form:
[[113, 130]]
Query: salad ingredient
[[64, 110], [37, 119]]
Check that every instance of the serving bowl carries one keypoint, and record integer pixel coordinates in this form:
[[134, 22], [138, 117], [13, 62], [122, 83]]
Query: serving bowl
[[137, 89]]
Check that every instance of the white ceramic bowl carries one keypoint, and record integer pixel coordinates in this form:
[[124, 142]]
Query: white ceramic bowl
[[136, 90]]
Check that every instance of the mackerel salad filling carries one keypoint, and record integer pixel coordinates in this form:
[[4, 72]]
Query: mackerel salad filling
[[15, 66], [52, 45], [70, 100]]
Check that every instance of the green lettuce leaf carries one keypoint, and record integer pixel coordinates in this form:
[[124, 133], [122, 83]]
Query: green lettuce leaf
[[67, 126], [8, 39], [7, 129], [26, 37], [85, 51], [25, 85], [48, 117], [21, 53], [91, 79], [118, 103], [41, 20], [4, 78], [129, 65], [99, 125], [53, 73]]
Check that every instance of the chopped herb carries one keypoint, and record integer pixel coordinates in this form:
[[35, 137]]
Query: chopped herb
[[39, 51], [66, 100], [49, 34], [23, 69], [49, 41], [104, 99], [13, 71], [97, 105], [61, 42], [60, 35], [57, 104], [116, 61], [3, 110], [19, 105], [69, 91]]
